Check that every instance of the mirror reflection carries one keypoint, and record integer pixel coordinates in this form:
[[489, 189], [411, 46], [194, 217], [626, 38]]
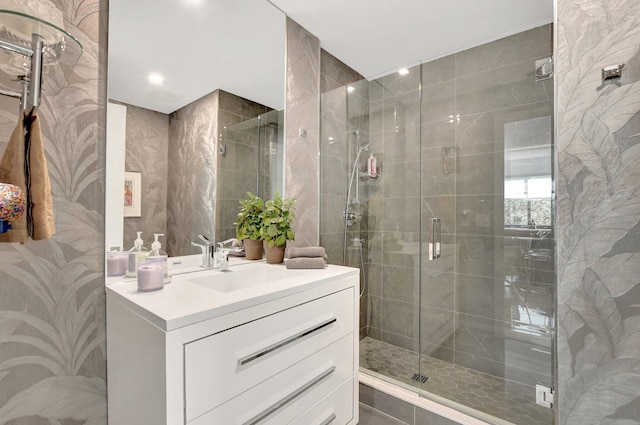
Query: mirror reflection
[[195, 114]]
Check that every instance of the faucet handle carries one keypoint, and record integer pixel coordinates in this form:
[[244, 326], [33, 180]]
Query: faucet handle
[[207, 258], [206, 240], [224, 259]]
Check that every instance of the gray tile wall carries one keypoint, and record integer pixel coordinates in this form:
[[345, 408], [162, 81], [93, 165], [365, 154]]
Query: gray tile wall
[[598, 126], [147, 143], [204, 187], [394, 209], [487, 310], [442, 152], [342, 113], [302, 113], [404, 412], [334, 73], [238, 168]]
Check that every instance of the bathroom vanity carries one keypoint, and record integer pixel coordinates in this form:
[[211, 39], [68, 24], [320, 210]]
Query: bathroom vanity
[[258, 344]]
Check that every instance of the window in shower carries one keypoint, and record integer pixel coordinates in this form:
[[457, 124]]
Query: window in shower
[[527, 176]]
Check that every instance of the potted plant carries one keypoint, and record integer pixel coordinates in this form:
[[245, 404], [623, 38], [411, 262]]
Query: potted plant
[[249, 225], [276, 228]]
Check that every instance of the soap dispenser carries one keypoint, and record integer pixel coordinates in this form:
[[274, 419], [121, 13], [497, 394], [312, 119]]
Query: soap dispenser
[[137, 254], [157, 255]]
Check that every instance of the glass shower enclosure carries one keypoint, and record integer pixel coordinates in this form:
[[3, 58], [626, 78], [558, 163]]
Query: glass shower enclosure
[[250, 158], [453, 228]]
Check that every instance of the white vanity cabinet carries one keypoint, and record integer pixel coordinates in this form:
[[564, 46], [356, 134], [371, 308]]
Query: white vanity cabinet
[[282, 352]]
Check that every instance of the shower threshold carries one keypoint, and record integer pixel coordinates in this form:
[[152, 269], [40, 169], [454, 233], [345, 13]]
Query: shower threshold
[[489, 396]]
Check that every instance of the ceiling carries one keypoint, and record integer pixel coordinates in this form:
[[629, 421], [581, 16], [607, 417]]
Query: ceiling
[[380, 36], [238, 45], [198, 46]]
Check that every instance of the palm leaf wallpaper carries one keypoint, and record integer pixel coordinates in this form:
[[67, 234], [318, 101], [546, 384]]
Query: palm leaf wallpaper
[[52, 304], [598, 213]]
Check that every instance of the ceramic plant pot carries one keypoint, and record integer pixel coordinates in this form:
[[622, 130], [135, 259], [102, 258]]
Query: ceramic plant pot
[[275, 255], [252, 249]]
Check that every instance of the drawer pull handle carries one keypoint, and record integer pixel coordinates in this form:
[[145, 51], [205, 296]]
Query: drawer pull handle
[[330, 419], [243, 361], [274, 407]]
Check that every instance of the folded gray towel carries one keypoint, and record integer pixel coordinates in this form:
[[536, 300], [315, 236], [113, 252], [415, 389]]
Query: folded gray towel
[[305, 263], [310, 251]]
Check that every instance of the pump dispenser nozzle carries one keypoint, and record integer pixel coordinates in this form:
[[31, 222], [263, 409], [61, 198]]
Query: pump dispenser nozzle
[[156, 245], [138, 241]]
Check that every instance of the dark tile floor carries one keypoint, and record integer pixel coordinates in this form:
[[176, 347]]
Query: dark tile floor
[[370, 416], [503, 399]]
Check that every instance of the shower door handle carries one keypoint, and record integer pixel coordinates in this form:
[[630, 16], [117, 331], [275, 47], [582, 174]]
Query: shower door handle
[[435, 244]]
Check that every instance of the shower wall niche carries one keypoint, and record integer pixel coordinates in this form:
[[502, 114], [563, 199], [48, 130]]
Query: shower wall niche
[[466, 138]]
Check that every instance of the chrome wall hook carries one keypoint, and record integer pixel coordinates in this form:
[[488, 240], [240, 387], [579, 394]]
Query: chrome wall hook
[[612, 72]]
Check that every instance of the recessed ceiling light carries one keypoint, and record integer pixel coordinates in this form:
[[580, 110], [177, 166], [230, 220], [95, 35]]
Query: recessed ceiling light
[[330, 138], [156, 79], [403, 71], [350, 89]]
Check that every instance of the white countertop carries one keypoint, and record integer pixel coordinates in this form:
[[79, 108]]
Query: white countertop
[[202, 295]]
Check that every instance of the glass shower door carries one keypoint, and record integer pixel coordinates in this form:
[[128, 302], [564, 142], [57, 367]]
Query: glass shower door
[[487, 302]]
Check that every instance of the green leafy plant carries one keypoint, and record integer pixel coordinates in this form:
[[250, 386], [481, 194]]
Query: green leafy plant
[[250, 217], [277, 221]]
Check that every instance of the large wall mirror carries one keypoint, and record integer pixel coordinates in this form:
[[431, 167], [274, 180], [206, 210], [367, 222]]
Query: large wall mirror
[[195, 116]]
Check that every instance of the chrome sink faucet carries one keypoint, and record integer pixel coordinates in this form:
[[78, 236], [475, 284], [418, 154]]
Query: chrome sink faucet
[[206, 245]]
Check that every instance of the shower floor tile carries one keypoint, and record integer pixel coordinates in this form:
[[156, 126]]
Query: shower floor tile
[[486, 393]]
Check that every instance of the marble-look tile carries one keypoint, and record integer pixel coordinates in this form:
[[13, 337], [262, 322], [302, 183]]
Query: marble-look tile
[[439, 70], [532, 44], [437, 287], [400, 215], [496, 346], [401, 180], [246, 108], [442, 207], [335, 176], [505, 87], [480, 174], [402, 145], [400, 283], [387, 404], [436, 178], [333, 105], [302, 152], [331, 217], [479, 214], [437, 325], [484, 132], [402, 341], [430, 418], [395, 84], [374, 276], [439, 102], [438, 134], [334, 72]]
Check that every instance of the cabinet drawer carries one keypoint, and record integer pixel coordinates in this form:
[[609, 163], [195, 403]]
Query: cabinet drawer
[[335, 409], [284, 397], [221, 366]]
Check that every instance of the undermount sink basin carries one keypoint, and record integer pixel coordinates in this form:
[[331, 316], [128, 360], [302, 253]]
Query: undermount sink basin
[[234, 280]]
